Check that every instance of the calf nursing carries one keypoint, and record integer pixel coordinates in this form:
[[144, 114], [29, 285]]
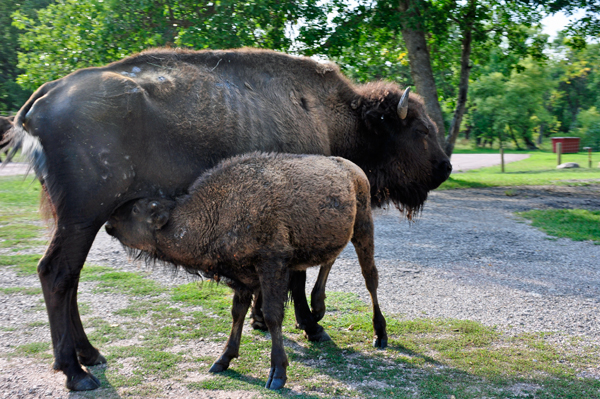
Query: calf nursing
[[252, 220]]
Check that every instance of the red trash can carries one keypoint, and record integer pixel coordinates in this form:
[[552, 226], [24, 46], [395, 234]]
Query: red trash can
[[569, 144]]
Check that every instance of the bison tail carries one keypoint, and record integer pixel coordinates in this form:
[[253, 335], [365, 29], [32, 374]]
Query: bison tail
[[20, 139]]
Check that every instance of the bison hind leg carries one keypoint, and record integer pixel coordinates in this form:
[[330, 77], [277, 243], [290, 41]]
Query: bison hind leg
[[305, 320], [257, 320], [363, 241]]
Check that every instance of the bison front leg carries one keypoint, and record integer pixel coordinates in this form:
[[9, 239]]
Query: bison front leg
[[58, 272], [274, 277], [241, 303]]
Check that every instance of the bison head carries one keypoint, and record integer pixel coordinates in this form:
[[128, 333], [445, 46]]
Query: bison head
[[135, 223], [398, 147]]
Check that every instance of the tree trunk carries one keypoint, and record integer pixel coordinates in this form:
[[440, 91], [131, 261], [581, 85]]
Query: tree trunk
[[468, 131], [513, 137], [528, 142], [420, 62], [463, 86]]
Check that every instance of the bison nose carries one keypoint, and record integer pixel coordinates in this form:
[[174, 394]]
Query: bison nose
[[445, 168], [442, 171]]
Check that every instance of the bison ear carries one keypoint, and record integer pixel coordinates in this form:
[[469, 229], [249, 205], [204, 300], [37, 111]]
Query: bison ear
[[159, 214]]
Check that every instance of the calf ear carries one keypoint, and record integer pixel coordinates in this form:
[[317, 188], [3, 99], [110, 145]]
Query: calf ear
[[159, 214]]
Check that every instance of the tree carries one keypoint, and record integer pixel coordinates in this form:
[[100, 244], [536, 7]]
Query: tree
[[441, 38], [11, 94], [73, 34], [513, 107], [588, 122]]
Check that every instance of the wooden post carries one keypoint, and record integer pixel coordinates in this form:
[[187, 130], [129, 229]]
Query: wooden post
[[558, 152], [502, 158], [589, 156]]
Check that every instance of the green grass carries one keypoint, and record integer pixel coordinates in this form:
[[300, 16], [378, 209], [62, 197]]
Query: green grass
[[22, 290], [538, 169], [25, 265], [576, 224], [20, 227]]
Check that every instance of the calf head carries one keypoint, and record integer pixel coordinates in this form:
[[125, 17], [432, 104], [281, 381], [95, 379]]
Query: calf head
[[399, 152], [135, 223]]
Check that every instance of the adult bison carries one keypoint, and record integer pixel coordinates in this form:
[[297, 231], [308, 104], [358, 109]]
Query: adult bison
[[5, 124], [149, 125]]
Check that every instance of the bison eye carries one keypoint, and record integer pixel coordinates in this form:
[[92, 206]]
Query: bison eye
[[135, 210]]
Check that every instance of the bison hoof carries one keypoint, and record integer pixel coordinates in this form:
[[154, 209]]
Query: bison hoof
[[259, 325], [98, 359], [320, 336], [380, 343], [218, 367], [277, 378], [84, 382]]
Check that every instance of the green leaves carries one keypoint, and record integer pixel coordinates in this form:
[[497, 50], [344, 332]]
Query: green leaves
[[73, 34]]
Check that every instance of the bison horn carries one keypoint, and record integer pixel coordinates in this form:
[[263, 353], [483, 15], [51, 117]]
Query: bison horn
[[403, 104]]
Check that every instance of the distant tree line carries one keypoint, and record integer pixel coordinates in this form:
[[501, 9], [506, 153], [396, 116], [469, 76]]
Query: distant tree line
[[483, 67]]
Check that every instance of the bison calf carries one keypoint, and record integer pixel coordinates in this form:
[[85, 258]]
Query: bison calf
[[251, 221]]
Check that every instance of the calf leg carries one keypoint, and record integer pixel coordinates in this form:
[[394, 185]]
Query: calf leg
[[317, 297], [257, 320], [364, 245], [304, 318], [274, 278], [241, 303], [58, 272]]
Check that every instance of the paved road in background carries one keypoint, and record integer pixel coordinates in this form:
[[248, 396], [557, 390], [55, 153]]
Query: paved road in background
[[464, 162], [460, 163]]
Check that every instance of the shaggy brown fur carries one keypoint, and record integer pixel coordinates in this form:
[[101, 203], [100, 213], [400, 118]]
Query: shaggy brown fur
[[254, 219]]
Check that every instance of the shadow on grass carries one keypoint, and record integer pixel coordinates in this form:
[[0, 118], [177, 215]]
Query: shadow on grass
[[106, 389]]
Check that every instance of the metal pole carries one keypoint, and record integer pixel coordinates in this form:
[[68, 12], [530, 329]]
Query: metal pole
[[589, 156], [558, 152]]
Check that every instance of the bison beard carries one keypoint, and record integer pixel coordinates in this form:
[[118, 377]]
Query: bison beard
[[253, 220], [148, 125]]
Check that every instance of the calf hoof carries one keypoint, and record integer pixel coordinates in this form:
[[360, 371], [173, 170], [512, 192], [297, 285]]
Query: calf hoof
[[258, 324], [218, 367], [277, 378], [83, 382], [320, 336], [96, 360], [380, 343]]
